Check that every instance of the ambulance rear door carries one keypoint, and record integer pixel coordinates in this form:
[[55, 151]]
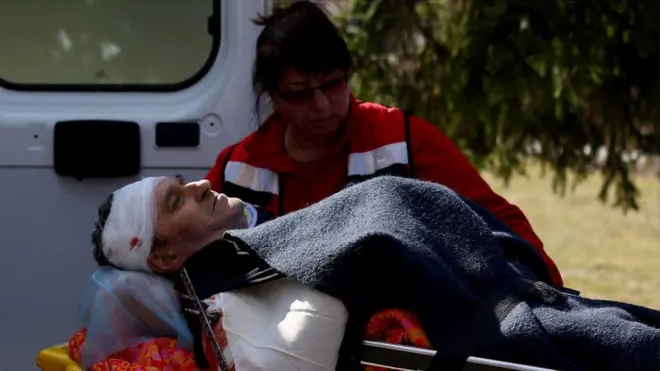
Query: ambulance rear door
[[93, 95]]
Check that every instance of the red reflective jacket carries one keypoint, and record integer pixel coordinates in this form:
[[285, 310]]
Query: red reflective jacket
[[376, 140]]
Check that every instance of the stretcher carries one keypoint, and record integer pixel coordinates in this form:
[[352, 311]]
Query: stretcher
[[390, 356]]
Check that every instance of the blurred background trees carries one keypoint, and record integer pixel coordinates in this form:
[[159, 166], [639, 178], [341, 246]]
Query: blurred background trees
[[572, 85]]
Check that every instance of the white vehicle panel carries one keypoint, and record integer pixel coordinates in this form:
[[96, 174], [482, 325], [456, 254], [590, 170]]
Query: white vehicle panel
[[46, 220]]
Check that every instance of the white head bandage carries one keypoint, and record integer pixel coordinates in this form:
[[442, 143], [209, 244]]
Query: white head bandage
[[129, 230]]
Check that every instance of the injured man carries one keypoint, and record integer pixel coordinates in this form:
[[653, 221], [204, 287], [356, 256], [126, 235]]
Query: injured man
[[296, 292]]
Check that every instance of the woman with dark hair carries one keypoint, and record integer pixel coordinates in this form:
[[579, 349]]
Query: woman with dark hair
[[321, 139]]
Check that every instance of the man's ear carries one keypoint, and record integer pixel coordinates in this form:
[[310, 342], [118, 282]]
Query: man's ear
[[165, 260]]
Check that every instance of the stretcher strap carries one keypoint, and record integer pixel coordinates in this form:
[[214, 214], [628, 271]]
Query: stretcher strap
[[203, 318]]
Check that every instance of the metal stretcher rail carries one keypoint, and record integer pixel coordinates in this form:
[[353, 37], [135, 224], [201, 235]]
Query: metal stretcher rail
[[405, 358]]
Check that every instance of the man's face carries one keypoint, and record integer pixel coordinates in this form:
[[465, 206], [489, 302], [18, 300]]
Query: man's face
[[189, 217]]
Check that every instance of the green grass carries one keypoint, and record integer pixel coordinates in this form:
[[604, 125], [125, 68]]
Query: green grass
[[599, 250]]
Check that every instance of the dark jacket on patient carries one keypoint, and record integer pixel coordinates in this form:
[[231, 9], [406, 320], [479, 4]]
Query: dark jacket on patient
[[476, 288]]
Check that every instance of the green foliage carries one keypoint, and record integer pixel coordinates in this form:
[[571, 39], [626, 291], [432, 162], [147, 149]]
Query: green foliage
[[513, 80]]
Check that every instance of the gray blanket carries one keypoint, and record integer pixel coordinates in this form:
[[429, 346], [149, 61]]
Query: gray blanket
[[400, 243]]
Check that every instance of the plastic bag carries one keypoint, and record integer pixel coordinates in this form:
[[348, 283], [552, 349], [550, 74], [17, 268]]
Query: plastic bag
[[121, 309]]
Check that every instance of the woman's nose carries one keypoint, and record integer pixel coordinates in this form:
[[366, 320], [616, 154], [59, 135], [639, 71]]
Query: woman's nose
[[320, 101]]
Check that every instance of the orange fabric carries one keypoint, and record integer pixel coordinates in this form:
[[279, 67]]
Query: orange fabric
[[392, 325], [159, 354], [395, 326]]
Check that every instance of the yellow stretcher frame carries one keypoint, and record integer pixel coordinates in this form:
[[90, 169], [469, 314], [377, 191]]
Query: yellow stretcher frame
[[56, 358]]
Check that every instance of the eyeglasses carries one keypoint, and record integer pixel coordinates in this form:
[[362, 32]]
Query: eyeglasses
[[306, 96]]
